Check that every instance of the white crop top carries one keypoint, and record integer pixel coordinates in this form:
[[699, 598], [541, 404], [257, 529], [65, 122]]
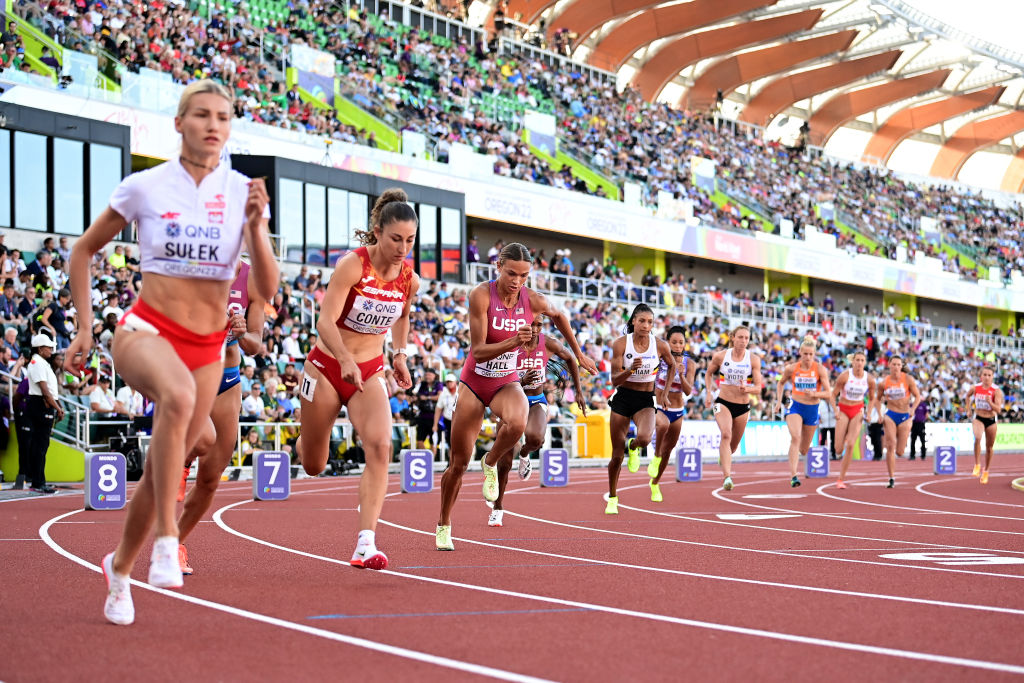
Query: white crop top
[[735, 373], [649, 369], [855, 388], [185, 230]]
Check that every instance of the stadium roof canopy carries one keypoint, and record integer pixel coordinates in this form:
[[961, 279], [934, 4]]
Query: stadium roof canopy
[[881, 69]]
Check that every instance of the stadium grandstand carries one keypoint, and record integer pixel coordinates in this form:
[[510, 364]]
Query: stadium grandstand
[[845, 170]]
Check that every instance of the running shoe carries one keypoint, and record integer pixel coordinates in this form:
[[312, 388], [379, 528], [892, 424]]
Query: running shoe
[[443, 538], [612, 508], [164, 571], [183, 560], [892, 484], [977, 471], [525, 467], [656, 493], [840, 484], [183, 484], [633, 460], [490, 482], [913, 457], [368, 557], [794, 482], [653, 466], [984, 477], [727, 484], [495, 517], [118, 609]]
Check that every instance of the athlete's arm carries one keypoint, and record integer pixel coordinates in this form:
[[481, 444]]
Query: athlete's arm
[[709, 375], [915, 394], [837, 390], [556, 348], [997, 400], [691, 374], [479, 300], [400, 337], [540, 305], [347, 273], [780, 386], [826, 386], [104, 228], [620, 374], [251, 340], [873, 401], [257, 242], [666, 357], [755, 375]]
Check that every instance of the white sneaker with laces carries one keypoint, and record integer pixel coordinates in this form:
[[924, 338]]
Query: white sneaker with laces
[[119, 608], [495, 518], [525, 467], [164, 568]]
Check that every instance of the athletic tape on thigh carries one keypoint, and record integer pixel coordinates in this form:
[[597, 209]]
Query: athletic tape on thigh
[[383, 384]]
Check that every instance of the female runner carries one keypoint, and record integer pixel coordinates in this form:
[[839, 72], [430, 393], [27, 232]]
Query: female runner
[[988, 401], [635, 360], [672, 395], [899, 392], [852, 387], [370, 293], [533, 359], [741, 379], [810, 385], [501, 314], [245, 333], [194, 214]]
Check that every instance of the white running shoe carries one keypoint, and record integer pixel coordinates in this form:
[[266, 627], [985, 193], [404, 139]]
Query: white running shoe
[[368, 557], [490, 482], [164, 568], [118, 609], [495, 518], [525, 467]]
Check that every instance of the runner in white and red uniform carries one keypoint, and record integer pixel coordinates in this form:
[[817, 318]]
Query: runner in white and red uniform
[[245, 333], [368, 295], [988, 401], [194, 215], [670, 396], [501, 314], [852, 387], [531, 368]]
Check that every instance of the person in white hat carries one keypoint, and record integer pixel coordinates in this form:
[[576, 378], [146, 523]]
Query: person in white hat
[[445, 410], [41, 410]]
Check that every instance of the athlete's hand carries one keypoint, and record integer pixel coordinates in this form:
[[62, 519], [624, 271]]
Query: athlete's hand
[[238, 326], [587, 363], [525, 334], [637, 364], [351, 373], [581, 401], [401, 372], [256, 202], [530, 377], [776, 408], [78, 351]]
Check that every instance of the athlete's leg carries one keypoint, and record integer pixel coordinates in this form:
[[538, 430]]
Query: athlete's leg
[[805, 440], [320, 405], [890, 445], [224, 418], [511, 406], [466, 422], [725, 424], [644, 421], [979, 433], [990, 444], [795, 423], [534, 435], [851, 428], [618, 427], [671, 437], [902, 436], [372, 422]]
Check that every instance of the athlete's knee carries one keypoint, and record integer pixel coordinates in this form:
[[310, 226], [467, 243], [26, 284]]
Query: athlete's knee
[[207, 480], [533, 442], [177, 403], [642, 441], [313, 456], [378, 447], [516, 424]]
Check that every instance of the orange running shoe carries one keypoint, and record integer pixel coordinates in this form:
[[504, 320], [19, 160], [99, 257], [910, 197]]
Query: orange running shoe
[[184, 482], [977, 471], [984, 477], [186, 569], [840, 484]]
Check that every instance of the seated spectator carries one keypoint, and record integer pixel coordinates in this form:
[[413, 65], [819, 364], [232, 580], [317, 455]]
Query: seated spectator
[[253, 409], [399, 406]]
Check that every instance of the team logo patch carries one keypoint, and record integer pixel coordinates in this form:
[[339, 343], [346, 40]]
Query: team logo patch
[[218, 204], [173, 229], [215, 217], [367, 305], [628, 356]]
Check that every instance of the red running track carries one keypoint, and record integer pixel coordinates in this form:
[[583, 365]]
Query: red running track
[[921, 582]]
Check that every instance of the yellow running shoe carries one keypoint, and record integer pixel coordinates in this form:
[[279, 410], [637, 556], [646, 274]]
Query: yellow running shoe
[[653, 467], [633, 463], [984, 477], [727, 484], [655, 493], [490, 482], [977, 471], [443, 539], [612, 508]]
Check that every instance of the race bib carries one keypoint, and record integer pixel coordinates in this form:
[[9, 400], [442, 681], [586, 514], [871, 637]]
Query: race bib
[[895, 393], [503, 365], [371, 316], [981, 402]]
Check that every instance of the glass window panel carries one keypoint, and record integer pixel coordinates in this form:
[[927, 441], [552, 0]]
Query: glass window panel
[[290, 217], [5, 178], [68, 186], [316, 224], [428, 241], [358, 215], [104, 177], [338, 237], [451, 244], [31, 209]]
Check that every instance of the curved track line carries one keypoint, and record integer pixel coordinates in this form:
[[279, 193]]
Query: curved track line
[[821, 491], [921, 488], [739, 630], [44, 533]]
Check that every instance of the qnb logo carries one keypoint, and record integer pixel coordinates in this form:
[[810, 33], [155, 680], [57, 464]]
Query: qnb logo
[[508, 324]]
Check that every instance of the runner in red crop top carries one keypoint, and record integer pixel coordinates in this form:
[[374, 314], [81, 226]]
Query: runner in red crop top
[[368, 295], [500, 316], [853, 386], [988, 401]]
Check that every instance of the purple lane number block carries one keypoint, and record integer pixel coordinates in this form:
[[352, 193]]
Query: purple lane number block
[[688, 464], [417, 470], [817, 462], [554, 467], [271, 475], [106, 481], [945, 460]]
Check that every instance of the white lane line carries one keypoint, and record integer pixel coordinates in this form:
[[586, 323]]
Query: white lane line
[[921, 487], [740, 630], [821, 491], [467, 667], [19, 539]]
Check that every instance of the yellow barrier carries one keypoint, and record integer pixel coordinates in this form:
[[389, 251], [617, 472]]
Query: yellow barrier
[[595, 441], [63, 463]]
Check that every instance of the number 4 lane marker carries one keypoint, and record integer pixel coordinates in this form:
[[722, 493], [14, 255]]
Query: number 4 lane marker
[[732, 516]]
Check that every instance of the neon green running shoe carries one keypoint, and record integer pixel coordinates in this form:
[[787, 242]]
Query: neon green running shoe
[[633, 462], [490, 482], [443, 539], [655, 493], [727, 484], [653, 466], [613, 506]]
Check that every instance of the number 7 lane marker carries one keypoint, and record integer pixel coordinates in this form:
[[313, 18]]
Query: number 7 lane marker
[[739, 630]]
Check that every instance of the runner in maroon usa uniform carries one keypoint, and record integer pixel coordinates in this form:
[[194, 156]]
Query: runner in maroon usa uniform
[[245, 333], [369, 294], [501, 314], [531, 365]]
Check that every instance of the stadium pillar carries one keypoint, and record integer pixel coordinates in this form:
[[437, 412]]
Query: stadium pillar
[[636, 261], [791, 285], [903, 304], [990, 319]]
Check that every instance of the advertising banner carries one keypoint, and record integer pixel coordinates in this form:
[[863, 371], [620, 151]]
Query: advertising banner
[[315, 71]]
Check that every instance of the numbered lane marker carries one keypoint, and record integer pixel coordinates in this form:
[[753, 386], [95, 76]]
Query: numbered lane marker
[[271, 475], [945, 460], [106, 481], [417, 470], [955, 558], [688, 464], [817, 462], [554, 467]]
